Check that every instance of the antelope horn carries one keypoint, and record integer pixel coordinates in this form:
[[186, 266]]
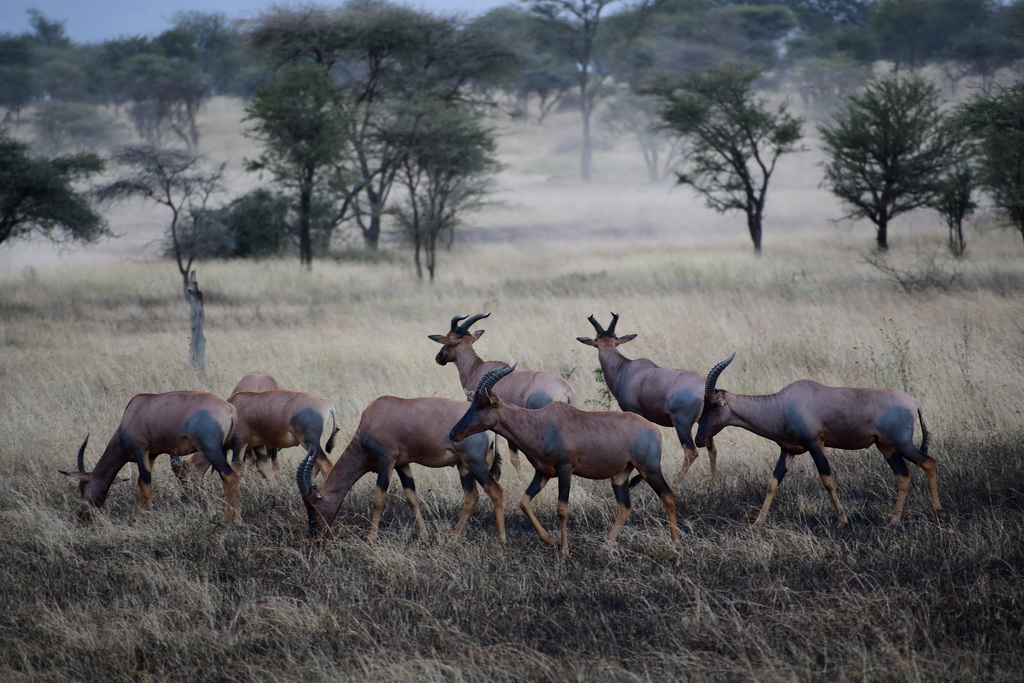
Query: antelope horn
[[709, 385], [81, 454], [597, 326], [488, 381], [464, 327], [611, 328], [455, 323], [304, 472]]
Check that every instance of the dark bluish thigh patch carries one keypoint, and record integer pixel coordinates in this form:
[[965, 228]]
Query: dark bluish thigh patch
[[210, 438], [896, 425], [537, 399], [309, 423]]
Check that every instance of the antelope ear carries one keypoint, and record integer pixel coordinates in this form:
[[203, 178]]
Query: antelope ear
[[78, 476], [721, 398], [586, 340], [439, 338], [478, 334], [469, 393], [624, 338]]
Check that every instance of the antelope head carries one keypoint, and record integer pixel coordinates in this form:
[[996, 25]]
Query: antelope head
[[716, 405], [458, 334], [483, 405], [83, 477], [605, 338]]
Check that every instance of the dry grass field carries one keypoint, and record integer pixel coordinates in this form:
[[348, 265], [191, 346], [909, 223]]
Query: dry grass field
[[180, 595]]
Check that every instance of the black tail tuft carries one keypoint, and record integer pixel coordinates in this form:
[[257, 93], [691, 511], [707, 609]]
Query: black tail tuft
[[924, 432], [496, 464]]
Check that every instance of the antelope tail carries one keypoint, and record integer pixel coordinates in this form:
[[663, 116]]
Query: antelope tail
[[924, 432], [334, 432]]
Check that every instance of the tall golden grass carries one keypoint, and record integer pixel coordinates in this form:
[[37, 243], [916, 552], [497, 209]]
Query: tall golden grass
[[179, 595]]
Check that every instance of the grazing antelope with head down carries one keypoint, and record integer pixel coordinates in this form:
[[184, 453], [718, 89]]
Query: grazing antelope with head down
[[808, 416], [670, 398], [281, 419], [177, 423], [560, 441], [392, 434], [527, 388], [259, 381]]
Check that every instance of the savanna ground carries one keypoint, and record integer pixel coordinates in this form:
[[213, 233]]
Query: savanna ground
[[180, 595]]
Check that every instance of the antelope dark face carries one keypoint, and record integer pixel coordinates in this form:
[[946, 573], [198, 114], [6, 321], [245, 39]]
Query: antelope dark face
[[713, 418], [458, 335], [479, 417], [605, 339]]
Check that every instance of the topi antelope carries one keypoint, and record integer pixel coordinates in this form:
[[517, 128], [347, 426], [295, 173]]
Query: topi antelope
[[177, 423], [560, 440], [392, 434], [527, 388], [807, 416], [251, 381], [280, 418], [670, 398], [259, 381]]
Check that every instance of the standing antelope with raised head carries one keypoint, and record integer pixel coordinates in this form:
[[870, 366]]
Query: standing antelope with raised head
[[666, 397], [560, 440], [808, 416], [527, 388], [177, 423], [394, 433]]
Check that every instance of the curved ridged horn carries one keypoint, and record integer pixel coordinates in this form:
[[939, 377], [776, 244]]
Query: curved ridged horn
[[455, 323], [709, 384], [304, 472], [464, 327], [81, 454], [488, 381]]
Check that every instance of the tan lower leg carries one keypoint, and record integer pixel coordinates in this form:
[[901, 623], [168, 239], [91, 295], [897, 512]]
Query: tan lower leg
[[525, 506]]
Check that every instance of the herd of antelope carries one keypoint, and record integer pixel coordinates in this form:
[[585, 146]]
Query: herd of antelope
[[532, 410]]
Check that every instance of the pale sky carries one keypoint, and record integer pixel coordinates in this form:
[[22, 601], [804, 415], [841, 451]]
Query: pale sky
[[93, 21]]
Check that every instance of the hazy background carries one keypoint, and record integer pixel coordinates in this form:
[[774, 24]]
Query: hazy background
[[89, 22]]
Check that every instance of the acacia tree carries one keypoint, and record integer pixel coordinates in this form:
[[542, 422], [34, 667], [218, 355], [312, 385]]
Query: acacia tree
[[887, 148], [735, 139], [378, 56], [996, 124], [304, 137], [177, 180], [38, 197], [447, 161], [572, 29]]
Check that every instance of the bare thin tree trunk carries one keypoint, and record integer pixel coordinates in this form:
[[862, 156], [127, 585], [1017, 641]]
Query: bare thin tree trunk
[[197, 345]]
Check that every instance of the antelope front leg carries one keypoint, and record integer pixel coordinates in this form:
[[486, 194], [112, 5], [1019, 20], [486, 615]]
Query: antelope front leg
[[144, 493], [564, 482], [379, 496], [535, 487], [409, 488], [470, 495], [785, 459]]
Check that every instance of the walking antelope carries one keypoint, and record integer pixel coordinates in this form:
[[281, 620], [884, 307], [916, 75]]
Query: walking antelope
[[392, 434], [527, 388], [280, 418], [807, 416], [177, 423], [670, 398], [560, 440]]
